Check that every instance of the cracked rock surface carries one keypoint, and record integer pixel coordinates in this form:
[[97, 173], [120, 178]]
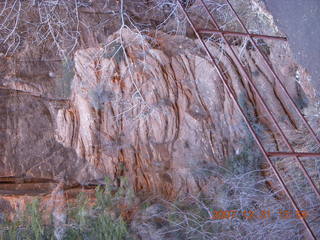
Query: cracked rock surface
[[155, 113]]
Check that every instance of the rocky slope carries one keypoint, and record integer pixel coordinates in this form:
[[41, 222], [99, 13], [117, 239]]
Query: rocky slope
[[149, 107], [158, 112]]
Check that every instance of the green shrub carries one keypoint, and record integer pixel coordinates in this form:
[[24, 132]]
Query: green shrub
[[97, 221], [34, 220], [85, 219], [27, 225]]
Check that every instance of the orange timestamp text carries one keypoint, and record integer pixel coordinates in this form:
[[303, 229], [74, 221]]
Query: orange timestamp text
[[261, 214]]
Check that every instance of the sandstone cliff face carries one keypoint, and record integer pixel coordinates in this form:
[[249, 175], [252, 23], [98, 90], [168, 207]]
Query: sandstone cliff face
[[155, 111], [148, 106]]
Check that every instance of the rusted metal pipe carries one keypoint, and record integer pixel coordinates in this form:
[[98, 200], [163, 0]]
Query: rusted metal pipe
[[275, 76], [293, 154], [242, 34], [231, 94], [273, 120]]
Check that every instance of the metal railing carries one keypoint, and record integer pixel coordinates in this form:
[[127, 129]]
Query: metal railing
[[265, 153]]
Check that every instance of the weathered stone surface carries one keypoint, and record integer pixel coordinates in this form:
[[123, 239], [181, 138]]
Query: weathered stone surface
[[145, 105], [156, 112]]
